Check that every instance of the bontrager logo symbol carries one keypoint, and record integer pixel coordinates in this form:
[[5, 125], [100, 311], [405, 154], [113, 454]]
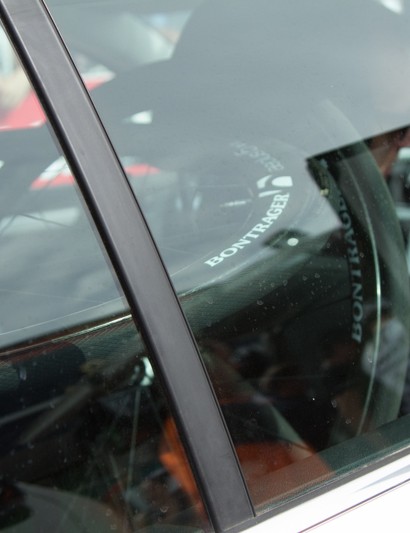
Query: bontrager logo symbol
[[281, 181]]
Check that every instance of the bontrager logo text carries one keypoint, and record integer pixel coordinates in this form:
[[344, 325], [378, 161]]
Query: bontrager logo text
[[271, 186], [278, 204], [355, 272]]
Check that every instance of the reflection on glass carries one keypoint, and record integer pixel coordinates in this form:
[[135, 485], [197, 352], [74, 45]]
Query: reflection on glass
[[86, 428], [86, 433], [244, 146], [18, 105]]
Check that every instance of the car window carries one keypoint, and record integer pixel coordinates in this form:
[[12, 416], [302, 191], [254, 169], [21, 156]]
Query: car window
[[265, 150], [88, 441]]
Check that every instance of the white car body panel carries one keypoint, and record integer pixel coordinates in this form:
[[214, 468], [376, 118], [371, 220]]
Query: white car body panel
[[372, 499]]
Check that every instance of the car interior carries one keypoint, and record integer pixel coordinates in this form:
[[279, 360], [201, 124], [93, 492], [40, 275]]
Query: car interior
[[268, 194]]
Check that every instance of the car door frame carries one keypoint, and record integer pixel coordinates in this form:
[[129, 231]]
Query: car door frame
[[154, 304], [135, 258]]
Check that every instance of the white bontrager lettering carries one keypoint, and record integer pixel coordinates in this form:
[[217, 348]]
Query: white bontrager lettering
[[276, 208]]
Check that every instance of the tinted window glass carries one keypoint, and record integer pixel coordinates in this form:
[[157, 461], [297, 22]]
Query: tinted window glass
[[87, 439], [261, 149]]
